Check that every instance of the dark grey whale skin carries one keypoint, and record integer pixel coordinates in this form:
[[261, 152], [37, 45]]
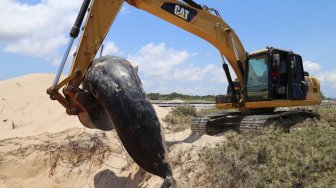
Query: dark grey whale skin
[[117, 87]]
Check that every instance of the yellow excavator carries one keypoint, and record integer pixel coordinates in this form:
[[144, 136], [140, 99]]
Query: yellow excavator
[[266, 79]]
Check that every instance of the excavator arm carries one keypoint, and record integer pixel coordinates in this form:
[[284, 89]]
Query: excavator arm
[[125, 107], [101, 14]]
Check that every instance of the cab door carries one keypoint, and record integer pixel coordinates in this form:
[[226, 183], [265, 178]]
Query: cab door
[[299, 86]]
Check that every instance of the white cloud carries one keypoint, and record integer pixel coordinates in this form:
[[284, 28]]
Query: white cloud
[[164, 69], [311, 66], [161, 62], [37, 30], [41, 29], [125, 9], [327, 78], [193, 90], [110, 49], [192, 73], [158, 61]]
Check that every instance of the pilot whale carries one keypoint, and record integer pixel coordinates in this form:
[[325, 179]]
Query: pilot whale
[[115, 84]]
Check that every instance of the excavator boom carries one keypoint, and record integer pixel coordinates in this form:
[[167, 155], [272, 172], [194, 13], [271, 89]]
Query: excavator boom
[[101, 14], [197, 21]]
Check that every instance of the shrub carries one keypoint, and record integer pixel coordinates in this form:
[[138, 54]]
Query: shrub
[[186, 110], [207, 111], [179, 118], [304, 157], [327, 112]]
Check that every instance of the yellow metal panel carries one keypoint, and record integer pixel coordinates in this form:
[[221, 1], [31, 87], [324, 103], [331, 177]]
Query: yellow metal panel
[[271, 104], [225, 106], [99, 20], [314, 92], [280, 103]]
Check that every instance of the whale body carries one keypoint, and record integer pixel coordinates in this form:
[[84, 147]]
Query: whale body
[[115, 84]]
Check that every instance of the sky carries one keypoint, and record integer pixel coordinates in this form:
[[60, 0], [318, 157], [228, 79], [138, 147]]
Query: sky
[[34, 35]]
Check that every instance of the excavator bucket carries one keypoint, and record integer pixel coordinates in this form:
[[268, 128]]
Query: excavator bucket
[[94, 116]]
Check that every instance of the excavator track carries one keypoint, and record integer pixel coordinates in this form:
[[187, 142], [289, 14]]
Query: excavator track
[[247, 122]]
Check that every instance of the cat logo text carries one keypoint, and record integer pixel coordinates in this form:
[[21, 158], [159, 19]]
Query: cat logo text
[[181, 12]]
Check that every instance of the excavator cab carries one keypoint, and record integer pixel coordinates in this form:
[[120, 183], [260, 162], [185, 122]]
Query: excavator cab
[[273, 78], [274, 74]]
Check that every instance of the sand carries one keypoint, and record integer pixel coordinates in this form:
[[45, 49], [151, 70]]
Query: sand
[[41, 146], [26, 109]]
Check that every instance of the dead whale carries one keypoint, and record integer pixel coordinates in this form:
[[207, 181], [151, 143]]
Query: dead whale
[[118, 89]]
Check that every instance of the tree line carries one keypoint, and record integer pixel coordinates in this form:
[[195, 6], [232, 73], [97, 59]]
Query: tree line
[[174, 96]]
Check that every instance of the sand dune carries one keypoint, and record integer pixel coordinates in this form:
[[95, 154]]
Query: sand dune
[[41, 146], [26, 109]]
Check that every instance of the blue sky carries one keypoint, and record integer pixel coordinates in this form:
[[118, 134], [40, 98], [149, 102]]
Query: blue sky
[[33, 35]]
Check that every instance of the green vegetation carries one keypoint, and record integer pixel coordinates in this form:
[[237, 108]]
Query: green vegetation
[[327, 112], [187, 98], [179, 118], [304, 157]]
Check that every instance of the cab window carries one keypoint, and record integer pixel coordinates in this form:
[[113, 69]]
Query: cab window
[[257, 79]]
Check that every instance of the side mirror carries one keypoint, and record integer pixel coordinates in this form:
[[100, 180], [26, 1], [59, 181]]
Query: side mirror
[[306, 73]]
